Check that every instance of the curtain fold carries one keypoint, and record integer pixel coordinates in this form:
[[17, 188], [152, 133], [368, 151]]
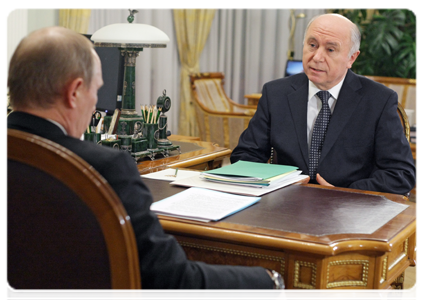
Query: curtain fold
[[75, 19], [250, 47], [192, 27]]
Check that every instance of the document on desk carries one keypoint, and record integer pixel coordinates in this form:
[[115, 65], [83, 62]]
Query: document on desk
[[202, 205], [251, 171], [197, 181], [170, 174]]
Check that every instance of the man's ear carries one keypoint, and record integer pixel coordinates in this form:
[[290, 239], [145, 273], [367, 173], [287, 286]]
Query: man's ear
[[72, 92], [352, 59]]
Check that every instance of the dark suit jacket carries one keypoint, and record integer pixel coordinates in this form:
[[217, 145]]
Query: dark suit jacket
[[365, 146], [163, 262]]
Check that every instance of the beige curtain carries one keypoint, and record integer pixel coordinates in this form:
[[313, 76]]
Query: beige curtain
[[75, 19], [192, 29]]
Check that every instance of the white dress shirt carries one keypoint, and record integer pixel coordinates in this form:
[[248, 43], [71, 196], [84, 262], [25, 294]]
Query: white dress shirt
[[58, 125]]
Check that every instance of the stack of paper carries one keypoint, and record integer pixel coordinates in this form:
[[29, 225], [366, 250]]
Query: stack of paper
[[243, 181], [252, 174], [202, 205], [278, 176]]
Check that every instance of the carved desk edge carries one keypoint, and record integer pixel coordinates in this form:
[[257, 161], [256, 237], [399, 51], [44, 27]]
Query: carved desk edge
[[278, 243], [306, 262], [235, 234]]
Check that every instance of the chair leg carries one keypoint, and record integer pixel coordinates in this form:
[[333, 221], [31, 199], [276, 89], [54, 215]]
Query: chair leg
[[397, 288]]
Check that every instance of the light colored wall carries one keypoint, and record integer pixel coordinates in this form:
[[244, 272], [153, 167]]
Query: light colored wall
[[39, 18], [21, 21]]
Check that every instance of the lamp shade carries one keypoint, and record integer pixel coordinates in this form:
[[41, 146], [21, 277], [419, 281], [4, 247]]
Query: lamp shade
[[130, 35]]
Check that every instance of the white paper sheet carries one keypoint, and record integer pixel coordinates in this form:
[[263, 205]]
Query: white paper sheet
[[202, 204], [196, 181], [168, 174]]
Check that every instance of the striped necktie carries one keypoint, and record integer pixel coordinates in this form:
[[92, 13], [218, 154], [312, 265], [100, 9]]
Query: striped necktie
[[319, 133]]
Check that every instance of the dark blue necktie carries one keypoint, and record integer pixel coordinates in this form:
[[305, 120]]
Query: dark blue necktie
[[319, 133]]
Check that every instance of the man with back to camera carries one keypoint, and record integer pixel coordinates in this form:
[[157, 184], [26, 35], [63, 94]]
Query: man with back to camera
[[54, 76], [363, 145]]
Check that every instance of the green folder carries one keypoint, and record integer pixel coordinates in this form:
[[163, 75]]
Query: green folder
[[260, 171]]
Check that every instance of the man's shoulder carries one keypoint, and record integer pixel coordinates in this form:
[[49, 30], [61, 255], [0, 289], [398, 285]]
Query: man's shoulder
[[290, 82], [91, 152], [293, 79], [368, 84], [109, 162]]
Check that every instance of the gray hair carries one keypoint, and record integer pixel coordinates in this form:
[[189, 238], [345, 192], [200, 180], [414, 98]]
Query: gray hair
[[355, 34]]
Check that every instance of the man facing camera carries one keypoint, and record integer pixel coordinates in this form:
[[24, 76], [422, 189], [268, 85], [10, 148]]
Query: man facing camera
[[340, 128], [54, 76]]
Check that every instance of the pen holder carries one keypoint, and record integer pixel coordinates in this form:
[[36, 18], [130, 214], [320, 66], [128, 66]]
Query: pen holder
[[126, 142], [111, 143], [92, 137], [139, 145], [151, 133]]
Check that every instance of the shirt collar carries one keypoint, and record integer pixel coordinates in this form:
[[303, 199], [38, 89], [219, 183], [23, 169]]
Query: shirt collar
[[312, 89], [58, 125]]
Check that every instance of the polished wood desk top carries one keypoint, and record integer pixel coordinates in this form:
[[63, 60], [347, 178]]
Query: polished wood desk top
[[335, 261], [326, 244], [194, 154]]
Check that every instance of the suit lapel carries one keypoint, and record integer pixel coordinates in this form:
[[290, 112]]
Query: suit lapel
[[298, 105], [346, 104]]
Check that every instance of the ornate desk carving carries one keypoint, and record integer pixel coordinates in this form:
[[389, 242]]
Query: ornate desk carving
[[336, 261]]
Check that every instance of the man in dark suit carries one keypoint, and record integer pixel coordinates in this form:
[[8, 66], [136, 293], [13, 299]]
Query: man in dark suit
[[53, 80], [364, 146]]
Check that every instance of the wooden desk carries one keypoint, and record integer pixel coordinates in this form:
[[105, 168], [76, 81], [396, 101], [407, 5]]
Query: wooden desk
[[195, 154], [338, 261]]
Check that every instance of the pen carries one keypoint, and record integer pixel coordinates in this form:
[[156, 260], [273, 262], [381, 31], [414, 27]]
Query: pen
[[149, 115], [99, 125], [176, 173], [154, 115]]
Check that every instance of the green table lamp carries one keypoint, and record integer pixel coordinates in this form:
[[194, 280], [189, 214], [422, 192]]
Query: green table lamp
[[131, 39]]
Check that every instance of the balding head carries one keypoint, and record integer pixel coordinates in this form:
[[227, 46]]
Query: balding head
[[329, 50], [44, 62], [355, 35]]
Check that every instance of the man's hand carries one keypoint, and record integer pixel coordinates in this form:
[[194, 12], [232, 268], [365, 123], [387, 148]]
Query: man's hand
[[282, 296], [305, 180], [321, 181]]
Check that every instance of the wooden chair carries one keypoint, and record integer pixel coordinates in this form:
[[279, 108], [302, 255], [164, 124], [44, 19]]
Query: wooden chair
[[404, 121], [220, 119], [405, 88], [67, 228]]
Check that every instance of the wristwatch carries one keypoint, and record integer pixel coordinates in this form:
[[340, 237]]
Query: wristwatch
[[278, 280]]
